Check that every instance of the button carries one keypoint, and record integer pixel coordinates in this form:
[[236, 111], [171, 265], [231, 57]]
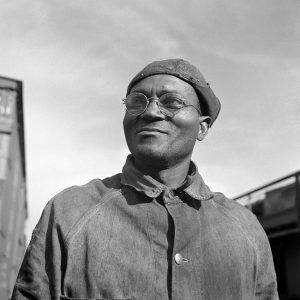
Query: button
[[179, 259]]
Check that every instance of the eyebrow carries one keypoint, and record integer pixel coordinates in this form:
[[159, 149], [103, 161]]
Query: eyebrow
[[168, 89]]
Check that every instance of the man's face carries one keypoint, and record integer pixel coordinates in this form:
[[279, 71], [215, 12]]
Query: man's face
[[156, 139]]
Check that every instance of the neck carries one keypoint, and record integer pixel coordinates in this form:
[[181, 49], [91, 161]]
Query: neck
[[172, 176]]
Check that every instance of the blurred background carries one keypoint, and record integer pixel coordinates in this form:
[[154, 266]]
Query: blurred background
[[72, 61]]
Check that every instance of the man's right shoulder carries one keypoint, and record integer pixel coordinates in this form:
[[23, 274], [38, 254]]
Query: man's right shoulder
[[68, 207], [89, 193]]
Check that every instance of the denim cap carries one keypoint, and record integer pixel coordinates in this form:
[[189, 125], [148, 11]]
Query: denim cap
[[209, 103]]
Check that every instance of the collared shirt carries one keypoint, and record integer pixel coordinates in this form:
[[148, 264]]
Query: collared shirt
[[131, 237]]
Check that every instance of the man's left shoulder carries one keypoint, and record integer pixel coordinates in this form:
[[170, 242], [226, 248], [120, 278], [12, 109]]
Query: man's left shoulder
[[236, 211], [228, 203]]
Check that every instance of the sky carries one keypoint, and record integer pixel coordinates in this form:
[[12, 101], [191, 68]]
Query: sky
[[76, 58]]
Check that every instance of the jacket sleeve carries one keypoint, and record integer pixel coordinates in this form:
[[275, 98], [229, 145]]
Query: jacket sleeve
[[40, 273], [266, 284]]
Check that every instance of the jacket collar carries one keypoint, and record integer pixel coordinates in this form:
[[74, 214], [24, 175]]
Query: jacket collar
[[194, 185]]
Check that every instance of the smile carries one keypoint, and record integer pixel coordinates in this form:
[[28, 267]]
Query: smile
[[150, 130]]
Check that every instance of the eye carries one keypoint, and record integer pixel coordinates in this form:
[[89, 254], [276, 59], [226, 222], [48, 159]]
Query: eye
[[136, 102], [172, 101]]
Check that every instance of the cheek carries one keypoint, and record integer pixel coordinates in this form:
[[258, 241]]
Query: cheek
[[128, 126], [188, 128]]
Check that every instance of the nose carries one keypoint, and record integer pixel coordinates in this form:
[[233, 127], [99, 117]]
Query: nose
[[153, 111]]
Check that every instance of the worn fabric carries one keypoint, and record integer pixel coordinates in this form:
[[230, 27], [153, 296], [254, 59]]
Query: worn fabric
[[209, 103], [130, 237]]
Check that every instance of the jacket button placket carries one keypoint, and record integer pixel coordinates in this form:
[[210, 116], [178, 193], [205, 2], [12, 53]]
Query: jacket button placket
[[179, 261]]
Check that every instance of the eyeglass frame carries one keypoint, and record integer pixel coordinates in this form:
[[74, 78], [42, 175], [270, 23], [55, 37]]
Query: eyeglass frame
[[156, 99]]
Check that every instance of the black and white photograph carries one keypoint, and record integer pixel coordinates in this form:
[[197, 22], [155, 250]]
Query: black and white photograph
[[149, 150]]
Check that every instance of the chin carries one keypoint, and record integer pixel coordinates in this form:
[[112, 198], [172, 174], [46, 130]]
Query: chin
[[158, 159], [152, 156]]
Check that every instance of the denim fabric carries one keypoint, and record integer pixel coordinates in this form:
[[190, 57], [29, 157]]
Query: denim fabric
[[130, 237]]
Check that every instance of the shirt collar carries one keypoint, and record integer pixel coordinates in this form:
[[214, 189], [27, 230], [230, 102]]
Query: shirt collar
[[194, 185]]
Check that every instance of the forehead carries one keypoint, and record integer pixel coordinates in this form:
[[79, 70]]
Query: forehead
[[163, 83]]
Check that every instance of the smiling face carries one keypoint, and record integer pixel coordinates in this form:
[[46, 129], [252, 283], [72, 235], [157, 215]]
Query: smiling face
[[155, 139]]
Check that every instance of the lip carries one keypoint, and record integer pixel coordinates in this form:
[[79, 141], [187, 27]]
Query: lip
[[151, 130]]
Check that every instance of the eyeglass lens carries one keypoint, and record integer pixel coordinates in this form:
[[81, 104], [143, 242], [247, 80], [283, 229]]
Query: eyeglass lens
[[136, 103]]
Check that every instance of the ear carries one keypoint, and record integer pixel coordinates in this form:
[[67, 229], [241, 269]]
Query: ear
[[203, 127]]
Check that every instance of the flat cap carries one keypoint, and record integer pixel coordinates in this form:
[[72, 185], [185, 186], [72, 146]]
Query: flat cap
[[209, 103]]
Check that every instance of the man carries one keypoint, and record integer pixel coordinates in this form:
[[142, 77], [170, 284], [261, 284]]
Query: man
[[155, 231]]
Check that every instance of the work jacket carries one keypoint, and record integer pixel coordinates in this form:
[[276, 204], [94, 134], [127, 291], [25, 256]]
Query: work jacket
[[131, 237]]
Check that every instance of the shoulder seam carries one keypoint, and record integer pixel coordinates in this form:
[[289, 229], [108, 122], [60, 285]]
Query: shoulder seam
[[78, 225], [238, 222]]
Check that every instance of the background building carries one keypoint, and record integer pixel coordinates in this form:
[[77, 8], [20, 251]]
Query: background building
[[13, 205], [277, 207]]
